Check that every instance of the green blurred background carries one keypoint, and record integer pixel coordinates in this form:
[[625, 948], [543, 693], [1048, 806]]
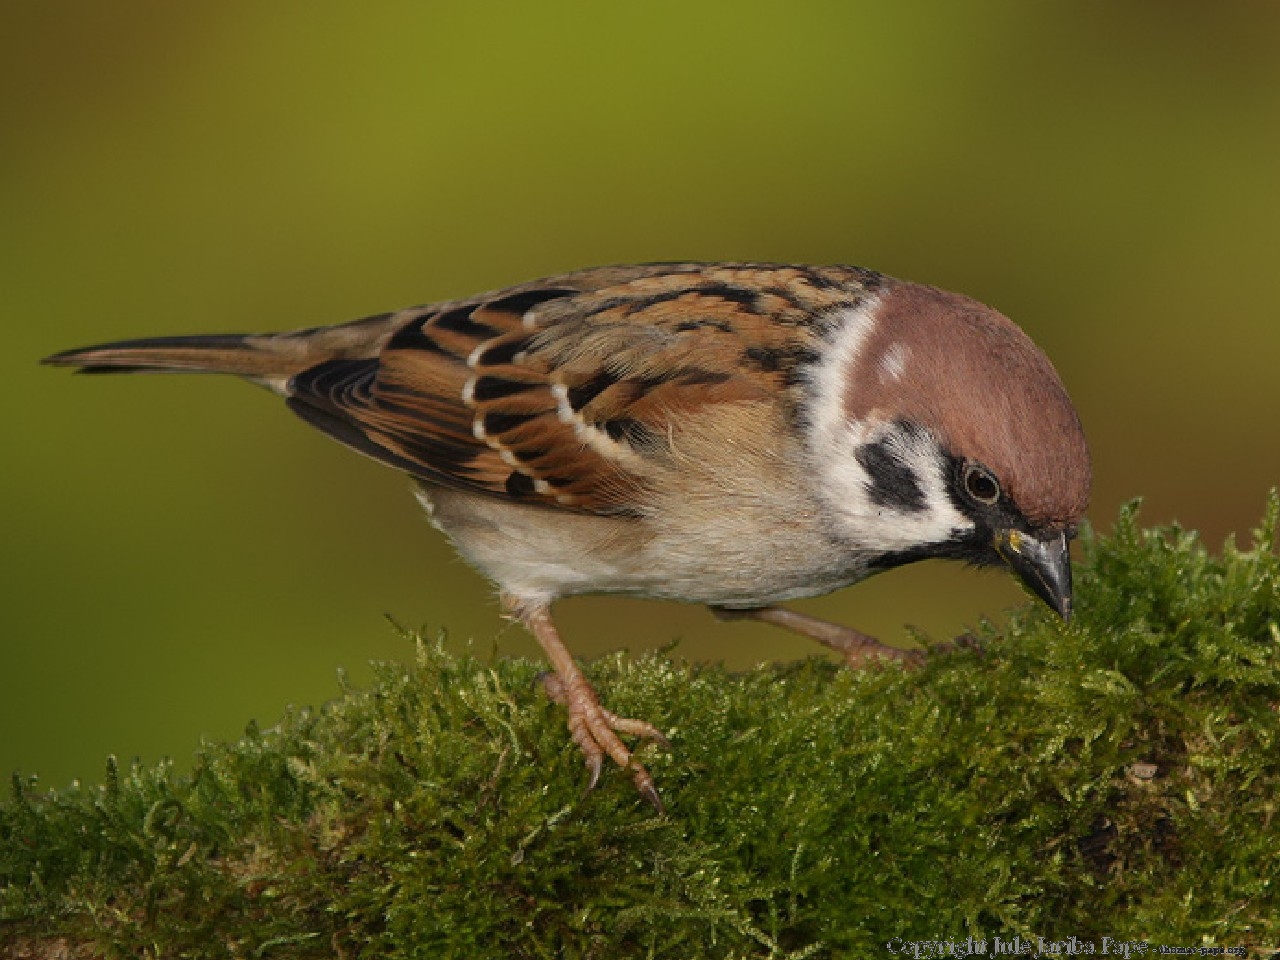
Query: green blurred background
[[181, 554]]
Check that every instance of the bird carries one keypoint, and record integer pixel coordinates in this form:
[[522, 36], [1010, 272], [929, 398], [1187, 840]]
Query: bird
[[729, 434]]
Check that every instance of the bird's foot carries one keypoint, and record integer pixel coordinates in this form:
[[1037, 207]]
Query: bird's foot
[[595, 730], [859, 650], [591, 725]]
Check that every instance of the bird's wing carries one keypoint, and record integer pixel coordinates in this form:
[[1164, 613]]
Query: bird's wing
[[567, 392]]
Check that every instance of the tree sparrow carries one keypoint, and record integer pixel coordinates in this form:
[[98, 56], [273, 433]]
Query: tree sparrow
[[729, 434]]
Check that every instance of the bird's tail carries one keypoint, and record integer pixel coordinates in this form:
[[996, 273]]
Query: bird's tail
[[269, 359], [215, 353]]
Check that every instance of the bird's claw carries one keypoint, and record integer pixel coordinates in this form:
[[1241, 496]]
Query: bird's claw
[[595, 764], [595, 730], [644, 784]]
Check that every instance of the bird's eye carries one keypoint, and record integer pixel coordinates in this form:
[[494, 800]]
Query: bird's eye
[[980, 484]]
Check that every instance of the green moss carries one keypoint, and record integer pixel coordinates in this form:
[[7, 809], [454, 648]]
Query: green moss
[[1115, 777]]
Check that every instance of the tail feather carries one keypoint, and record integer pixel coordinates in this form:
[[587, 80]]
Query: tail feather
[[270, 359], [215, 353]]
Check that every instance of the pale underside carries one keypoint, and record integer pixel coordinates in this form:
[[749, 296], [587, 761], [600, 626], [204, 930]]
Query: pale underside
[[731, 523]]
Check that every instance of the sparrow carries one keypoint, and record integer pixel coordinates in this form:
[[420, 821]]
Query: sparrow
[[729, 434]]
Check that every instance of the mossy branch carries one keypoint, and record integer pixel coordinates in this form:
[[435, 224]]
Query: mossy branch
[[1115, 777]]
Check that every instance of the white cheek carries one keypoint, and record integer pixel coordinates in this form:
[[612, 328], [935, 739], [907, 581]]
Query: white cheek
[[887, 527]]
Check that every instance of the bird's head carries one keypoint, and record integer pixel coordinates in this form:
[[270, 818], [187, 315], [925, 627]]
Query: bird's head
[[948, 433]]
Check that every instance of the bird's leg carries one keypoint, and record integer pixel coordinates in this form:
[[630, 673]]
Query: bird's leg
[[591, 725], [857, 648]]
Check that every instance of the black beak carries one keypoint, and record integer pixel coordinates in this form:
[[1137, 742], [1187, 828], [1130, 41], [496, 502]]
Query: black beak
[[1044, 565]]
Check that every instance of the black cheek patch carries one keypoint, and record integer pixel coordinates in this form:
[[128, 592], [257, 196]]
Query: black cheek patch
[[893, 483]]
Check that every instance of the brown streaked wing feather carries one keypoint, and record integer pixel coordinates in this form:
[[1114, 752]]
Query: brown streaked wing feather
[[566, 392]]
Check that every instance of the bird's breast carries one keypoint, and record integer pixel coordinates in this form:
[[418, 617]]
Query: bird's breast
[[686, 552]]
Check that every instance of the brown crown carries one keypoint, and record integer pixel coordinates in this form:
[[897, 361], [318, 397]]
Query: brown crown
[[985, 390]]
